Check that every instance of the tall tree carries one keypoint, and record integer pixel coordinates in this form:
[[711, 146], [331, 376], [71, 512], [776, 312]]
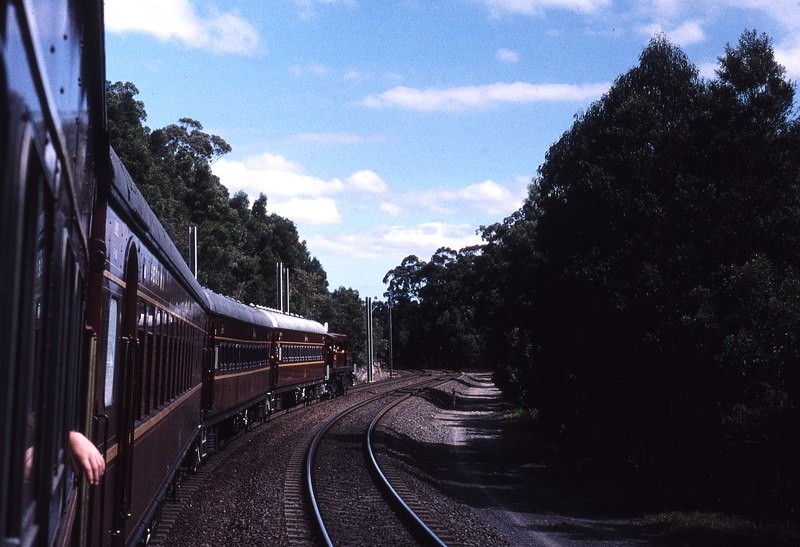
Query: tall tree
[[238, 245]]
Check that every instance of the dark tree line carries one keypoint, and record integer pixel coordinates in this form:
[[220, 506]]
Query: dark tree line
[[239, 242], [645, 300]]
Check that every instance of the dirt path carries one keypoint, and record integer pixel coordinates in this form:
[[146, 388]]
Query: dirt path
[[470, 458]]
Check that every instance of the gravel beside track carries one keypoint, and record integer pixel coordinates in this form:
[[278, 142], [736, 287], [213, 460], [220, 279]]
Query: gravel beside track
[[453, 458], [238, 496], [457, 455]]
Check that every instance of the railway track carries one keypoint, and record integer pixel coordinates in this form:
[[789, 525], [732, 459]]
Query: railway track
[[356, 498], [271, 457]]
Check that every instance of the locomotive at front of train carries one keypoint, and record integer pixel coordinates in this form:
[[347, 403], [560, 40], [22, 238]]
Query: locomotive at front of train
[[52, 129], [340, 370], [149, 314]]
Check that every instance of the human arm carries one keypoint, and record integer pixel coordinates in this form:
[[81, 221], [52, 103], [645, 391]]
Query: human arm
[[86, 456]]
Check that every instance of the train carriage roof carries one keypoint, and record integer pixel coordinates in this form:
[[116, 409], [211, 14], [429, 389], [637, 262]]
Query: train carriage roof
[[257, 315], [285, 321], [143, 221], [137, 213], [228, 307]]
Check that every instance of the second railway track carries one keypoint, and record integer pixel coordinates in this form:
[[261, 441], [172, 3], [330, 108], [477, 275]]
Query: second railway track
[[353, 502]]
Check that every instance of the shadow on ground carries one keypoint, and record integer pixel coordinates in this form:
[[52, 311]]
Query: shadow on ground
[[492, 466]]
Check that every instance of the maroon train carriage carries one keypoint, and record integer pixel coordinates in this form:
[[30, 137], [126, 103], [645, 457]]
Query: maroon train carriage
[[263, 360], [298, 357], [148, 312], [238, 373], [52, 125], [103, 329]]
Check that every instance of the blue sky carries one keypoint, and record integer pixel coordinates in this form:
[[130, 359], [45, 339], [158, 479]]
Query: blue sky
[[385, 128]]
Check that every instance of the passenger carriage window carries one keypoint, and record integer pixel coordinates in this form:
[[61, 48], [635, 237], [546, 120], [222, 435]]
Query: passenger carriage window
[[161, 340], [141, 364], [150, 364], [111, 350], [158, 356], [169, 386]]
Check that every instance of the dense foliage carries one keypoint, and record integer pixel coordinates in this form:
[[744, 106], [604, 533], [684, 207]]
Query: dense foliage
[[239, 243], [646, 298]]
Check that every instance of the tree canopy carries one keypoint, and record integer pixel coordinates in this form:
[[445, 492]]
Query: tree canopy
[[645, 299], [239, 243]]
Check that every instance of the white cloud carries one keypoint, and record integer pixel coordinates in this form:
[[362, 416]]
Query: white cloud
[[486, 197], [456, 99], [271, 162], [507, 56], [310, 211], [535, 7], [391, 209], [178, 20], [277, 177], [708, 70], [789, 56], [367, 181], [397, 241], [685, 34], [430, 236], [690, 32], [492, 196]]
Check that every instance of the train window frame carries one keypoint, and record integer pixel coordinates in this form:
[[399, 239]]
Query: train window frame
[[111, 350], [28, 422]]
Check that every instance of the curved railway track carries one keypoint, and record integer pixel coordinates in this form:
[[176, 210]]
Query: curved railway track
[[209, 506], [354, 500]]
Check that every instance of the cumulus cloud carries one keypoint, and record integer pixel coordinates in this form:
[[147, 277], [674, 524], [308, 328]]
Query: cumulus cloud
[[271, 162], [507, 56], [293, 193], [685, 34], [535, 7], [367, 181], [789, 56], [315, 211], [178, 20], [399, 241], [486, 197], [278, 177], [456, 99], [391, 209]]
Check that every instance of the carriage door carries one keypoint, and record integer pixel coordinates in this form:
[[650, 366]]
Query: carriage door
[[210, 365], [128, 395]]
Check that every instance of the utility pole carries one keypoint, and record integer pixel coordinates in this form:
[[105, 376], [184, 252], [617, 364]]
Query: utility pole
[[369, 338], [282, 287], [391, 364], [193, 250]]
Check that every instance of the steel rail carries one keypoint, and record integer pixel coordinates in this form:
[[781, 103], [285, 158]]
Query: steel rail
[[322, 529], [422, 528]]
